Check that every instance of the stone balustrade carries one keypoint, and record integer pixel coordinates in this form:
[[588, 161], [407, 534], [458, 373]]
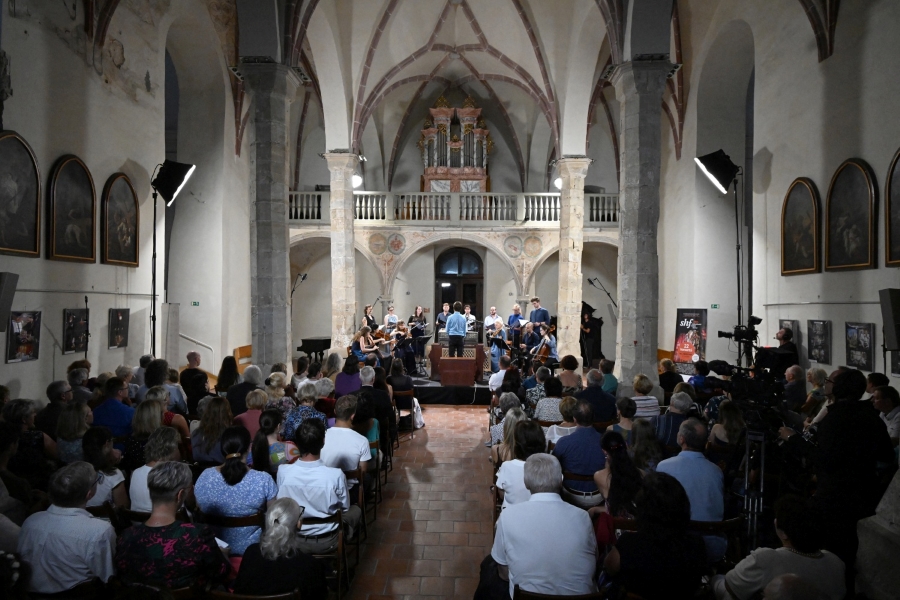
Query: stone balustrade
[[443, 208]]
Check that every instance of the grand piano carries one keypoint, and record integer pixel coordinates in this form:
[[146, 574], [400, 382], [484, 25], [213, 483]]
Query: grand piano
[[317, 346]]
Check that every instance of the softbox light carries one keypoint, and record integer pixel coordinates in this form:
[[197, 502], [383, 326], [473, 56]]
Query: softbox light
[[171, 179], [719, 168]]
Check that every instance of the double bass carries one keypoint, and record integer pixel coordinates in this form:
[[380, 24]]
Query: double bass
[[542, 353]]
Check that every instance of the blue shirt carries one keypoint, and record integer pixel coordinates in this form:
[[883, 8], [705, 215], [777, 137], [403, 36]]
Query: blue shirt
[[115, 415], [247, 497], [610, 384], [456, 324], [540, 315], [580, 453], [701, 479]]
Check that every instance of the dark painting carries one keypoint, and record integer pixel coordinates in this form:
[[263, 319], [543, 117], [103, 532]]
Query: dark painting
[[850, 218], [23, 337], [120, 224], [860, 339], [20, 197], [895, 364], [800, 228], [72, 210], [892, 214], [75, 330], [818, 344], [118, 327]]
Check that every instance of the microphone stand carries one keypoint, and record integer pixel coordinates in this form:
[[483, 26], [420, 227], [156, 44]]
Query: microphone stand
[[597, 279], [87, 327]]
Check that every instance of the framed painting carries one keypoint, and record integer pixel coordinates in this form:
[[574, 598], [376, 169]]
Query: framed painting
[[75, 330], [72, 210], [23, 338], [892, 214], [860, 340], [850, 218], [20, 197], [818, 346], [120, 222], [800, 228], [118, 327]]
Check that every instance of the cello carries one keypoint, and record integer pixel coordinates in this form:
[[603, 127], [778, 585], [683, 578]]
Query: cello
[[542, 353]]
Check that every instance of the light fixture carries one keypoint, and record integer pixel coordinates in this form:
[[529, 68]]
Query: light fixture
[[557, 183], [356, 181], [445, 285], [170, 179], [719, 168]]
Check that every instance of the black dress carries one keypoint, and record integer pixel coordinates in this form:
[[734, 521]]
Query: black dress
[[260, 577], [668, 380]]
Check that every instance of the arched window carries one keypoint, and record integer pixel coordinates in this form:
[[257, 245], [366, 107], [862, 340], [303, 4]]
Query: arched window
[[459, 276]]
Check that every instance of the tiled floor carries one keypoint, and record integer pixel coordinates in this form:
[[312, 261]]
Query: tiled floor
[[434, 525]]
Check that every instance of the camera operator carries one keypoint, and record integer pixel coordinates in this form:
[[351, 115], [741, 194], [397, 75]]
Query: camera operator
[[787, 352], [851, 441]]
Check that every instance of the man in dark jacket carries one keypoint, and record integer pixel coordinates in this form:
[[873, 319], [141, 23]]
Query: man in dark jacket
[[59, 393], [237, 394], [602, 403]]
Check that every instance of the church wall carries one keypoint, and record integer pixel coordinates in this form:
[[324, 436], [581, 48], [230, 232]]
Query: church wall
[[809, 117], [311, 313], [546, 285], [414, 285], [602, 171], [499, 287]]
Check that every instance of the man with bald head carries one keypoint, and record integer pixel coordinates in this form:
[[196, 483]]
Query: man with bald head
[[193, 368], [795, 388]]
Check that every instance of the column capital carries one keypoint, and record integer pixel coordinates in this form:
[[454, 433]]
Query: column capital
[[270, 77], [341, 161], [573, 166], [641, 77]]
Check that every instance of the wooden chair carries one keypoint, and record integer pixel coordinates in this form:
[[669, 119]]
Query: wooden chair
[[222, 595], [730, 528], [546, 424], [361, 502], [373, 445], [404, 401], [520, 594], [339, 556], [243, 355], [602, 426]]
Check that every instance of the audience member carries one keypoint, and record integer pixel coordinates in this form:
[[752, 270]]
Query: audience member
[[580, 453], [59, 393], [77, 379], [698, 379], [314, 372], [112, 412], [344, 448], [278, 398], [193, 368], [528, 440], [170, 419], [164, 550], [660, 559], [647, 406], [205, 440], [668, 376], [381, 404], [873, 381], [619, 481], [320, 489], [568, 425], [17, 487], [610, 383], [644, 447], [512, 382], [794, 389], [249, 419], [276, 564], [196, 388], [269, 451], [508, 401], [531, 380], [300, 375], [505, 450], [347, 381], [325, 397], [157, 373], [126, 374], [496, 379], [147, 419], [547, 408], [702, 481], [543, 545], [730, 427], [667, 425], [65, 546], [228, 375], [234, 490], [886, 401], [74, 421], [332, 366], [787, 352], [143, 362], [625, 411], [36, 450], [602, 403], [537, 392], [97, 445], [791, 587], [162, 446], [571, 380], [237, 394], [99, 390]]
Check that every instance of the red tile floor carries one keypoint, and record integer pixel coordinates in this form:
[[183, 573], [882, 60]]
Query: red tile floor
[[434, 525]]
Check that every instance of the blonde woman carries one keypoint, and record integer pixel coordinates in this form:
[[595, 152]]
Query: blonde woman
[[505, 450], [216, 418], [815, 400], [668, 376], [275, 391], [160, 394], [74, 420], [730, 425], [147, 419], [647, 405], [567, 410]]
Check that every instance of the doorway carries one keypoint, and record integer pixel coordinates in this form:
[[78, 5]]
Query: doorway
[[459, 276]]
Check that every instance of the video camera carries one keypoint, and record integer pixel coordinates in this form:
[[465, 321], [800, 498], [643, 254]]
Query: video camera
[[756, 391], [743, 333]]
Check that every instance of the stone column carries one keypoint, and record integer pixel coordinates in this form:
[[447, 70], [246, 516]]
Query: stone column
[[639, 87], [344, 321], [572, 171], [274, 87]]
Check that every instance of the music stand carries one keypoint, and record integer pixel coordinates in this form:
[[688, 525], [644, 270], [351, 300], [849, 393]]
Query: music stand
[[420, 343]]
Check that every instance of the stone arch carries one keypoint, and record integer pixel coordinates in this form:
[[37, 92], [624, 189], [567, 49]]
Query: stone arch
[[542, 258], [299, 237], [333, 73], [461, 236]]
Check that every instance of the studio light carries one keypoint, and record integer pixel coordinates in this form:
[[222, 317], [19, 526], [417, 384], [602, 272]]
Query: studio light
[[719, 168], [557, 183], [170, 179], [356, 181]]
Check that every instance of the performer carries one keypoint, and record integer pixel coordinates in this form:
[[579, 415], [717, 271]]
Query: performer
[[440, 322], [456, 331], [470, 318], [492, 322], [590, 339], [529, 339], [417, 324], [540, 315], [368, 320], [363, 345], [515, 326], [547, 340], [496, 352], [405, 354], [390, 321]]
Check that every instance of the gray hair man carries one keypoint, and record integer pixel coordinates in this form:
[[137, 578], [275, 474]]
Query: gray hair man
[[381, 402], [78, 378], [668, 424], [367, 375], [237, 394], [544, 545], [602, 403], [48, 538], [324, 387], [795, 388], [59, 393]]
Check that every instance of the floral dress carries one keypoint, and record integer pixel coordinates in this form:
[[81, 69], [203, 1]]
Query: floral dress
[[297, 416], [247, 497]]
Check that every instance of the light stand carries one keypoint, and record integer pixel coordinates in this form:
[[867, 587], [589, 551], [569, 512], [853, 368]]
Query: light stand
[[153, 283]]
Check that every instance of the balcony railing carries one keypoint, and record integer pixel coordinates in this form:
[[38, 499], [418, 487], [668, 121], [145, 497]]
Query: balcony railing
[[436, 208]]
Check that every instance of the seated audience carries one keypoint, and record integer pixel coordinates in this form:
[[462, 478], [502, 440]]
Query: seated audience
[[276, 564], [345, 448], [660, 559], [161, 446], [801, 554], [729, 429], [234, 490], [320, 489], [687, 389], [381, 405], [97, 445], [205, 440], [147, 419], [701, 480], [794, 389], [643, 446], [547, 408], [314, 372], [228, 376], [580, 453], [269, 448], [278, 398], [602, 403], [64, 546], [196, 388], [816, 398], [619, 481], [237, 394], [505, 450], [306, 410], [625, 410], [163, 550], [668, 376], [347, 381], [543, 545], [529, 440], [169, 418], [126, 374], [365, 424], [325, 397], [36, 451], [193, 368], [99, 390], [512, 382], [78, 379], [141, 369], [111, 412], [73, 422], [249, 419], [698, 379], [17, 487], [610, 383], [496, 380], [399, 380], [508, 401], [647, 406], [334, 362], [887, 402], [537, 392], [875, 380], [667, 425], [568, 425], [300, 375], [59, 393], [157, 373], [571, 380], [531, 380]]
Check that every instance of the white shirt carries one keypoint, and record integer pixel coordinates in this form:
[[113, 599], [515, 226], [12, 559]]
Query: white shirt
[[66, 547], [555, 432], [892, 420], [496, 380], [138, 491], [489, 321], [470, 321], [319, 489], [511, 479], [752, 574], [105, 484], [548, 545], [345, 449], [298, 380]]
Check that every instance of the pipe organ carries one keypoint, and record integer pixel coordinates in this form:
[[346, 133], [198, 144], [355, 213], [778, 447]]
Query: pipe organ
[[455, 145]]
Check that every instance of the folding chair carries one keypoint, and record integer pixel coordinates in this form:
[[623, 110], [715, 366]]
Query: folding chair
[[339, 556]]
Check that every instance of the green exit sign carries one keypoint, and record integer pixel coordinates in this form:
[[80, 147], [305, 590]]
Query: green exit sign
[[714, 306], [198, 304]]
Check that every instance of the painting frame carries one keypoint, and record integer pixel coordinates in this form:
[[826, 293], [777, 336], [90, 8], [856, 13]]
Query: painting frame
[[811, 243], [76, 334], [892, 213], [859, 339], [7, 180], [66, 231], [119, 319], [818, 347], [111, 252], [13, 346], [837, 228]]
